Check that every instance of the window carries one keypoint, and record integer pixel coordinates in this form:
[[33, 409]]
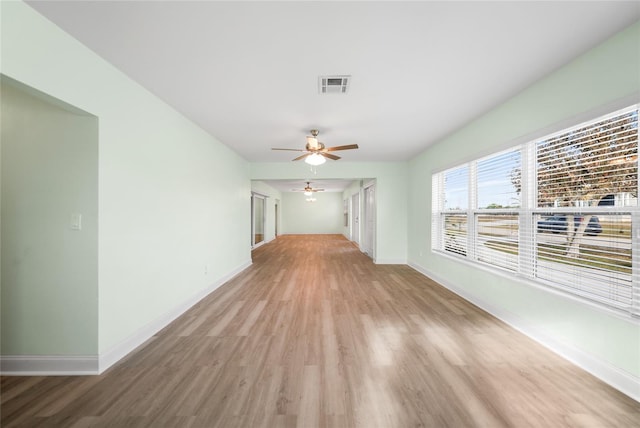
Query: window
[[497, 240], [559, 210], [456, 199], [456, 189], [583, 165], [497, 179], [455, 233], [496, 220]]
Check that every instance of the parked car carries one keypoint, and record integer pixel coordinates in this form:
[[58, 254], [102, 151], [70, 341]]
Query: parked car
[[558, 223]]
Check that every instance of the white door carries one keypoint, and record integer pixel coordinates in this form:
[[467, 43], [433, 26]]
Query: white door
[[370, 221], [355, 218]]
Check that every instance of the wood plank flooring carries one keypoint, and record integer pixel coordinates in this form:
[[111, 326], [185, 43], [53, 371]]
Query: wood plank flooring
[[314, 334]]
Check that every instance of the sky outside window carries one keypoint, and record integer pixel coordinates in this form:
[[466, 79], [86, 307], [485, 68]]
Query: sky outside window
[[456, 189], [495, 181]]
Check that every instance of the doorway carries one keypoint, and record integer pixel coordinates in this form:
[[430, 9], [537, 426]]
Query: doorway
[[257, 219]]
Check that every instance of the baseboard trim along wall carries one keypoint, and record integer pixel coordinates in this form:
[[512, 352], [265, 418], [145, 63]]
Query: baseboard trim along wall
[[116, 353], [48, 365], [624, 382], [390, 261], [55, 365]]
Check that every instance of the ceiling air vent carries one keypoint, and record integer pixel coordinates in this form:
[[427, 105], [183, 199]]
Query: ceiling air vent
[[333, 84]]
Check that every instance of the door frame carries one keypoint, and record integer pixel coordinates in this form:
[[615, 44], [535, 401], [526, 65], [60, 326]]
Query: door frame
[[262, 199], [354, 227], [277, 218], [369, 214]]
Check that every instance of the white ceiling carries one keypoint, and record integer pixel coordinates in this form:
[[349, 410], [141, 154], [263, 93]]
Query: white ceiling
[[247, 71], [298, 185]]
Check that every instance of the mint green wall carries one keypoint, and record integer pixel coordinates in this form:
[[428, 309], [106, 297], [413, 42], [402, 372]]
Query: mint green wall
[[174, 203], [590, 83], [391, 193], [324, 216], [273, 196], [49, 271]]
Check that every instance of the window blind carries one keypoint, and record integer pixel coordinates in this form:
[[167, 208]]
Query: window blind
[[498, 180], [580, 166], [456, 189], [594, 260], [498, 193], [566, 217], [589, 175]]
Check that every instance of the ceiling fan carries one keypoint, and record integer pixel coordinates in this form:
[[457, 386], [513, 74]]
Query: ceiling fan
[[316, 152], [308, 190]]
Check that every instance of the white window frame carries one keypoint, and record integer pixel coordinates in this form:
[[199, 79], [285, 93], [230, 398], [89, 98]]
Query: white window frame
[[527, 226]]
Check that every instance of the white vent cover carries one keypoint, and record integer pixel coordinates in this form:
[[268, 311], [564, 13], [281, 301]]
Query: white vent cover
[[333, 84]]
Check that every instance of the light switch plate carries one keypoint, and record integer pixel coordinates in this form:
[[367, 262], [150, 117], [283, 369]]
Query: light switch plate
[[76, 221]]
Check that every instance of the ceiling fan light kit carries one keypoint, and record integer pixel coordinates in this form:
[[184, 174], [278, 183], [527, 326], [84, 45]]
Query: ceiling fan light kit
[[315, 152], [308, 190], [315, 159]]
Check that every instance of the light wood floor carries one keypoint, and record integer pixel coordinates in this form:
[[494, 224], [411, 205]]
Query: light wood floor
[[314, 334]]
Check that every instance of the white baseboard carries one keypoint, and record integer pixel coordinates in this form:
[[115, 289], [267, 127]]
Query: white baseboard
[[55, 365], [119, 351], [48, 365], [623, 381], [390, 261]]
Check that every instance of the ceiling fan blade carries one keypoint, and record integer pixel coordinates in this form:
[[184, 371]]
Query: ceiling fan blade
[[290, 150], [330, 156], [317, 190], [347, 147], [301, 157]]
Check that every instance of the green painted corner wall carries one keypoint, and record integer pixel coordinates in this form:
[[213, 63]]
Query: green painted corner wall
[[174, 203], [322, 216], [49, 269]]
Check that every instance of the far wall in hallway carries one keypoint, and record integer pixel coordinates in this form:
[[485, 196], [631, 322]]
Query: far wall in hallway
[[323, 216]]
